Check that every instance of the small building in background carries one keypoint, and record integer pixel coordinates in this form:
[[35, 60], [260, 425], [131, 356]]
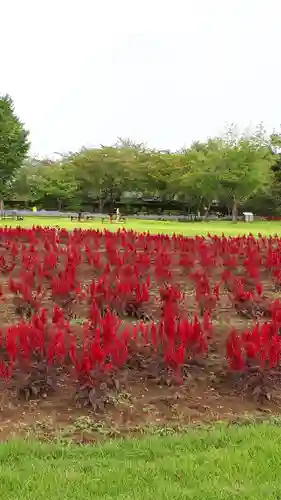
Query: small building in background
[[248, 216]]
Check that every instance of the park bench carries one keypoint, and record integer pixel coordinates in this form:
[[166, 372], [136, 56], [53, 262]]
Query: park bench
[[121, 219], [82, 218], [11, 217]]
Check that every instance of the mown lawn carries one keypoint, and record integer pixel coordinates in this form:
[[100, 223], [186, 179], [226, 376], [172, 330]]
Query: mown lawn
[[186, 228], [223, 463]]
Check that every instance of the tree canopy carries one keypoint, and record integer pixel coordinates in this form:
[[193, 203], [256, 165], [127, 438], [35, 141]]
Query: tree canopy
[[235, 170], [14, 143]]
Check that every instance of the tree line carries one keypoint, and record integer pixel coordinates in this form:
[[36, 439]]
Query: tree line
[[235, 171]]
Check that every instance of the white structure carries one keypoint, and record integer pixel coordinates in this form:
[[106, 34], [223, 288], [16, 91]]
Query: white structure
[[249, 216]]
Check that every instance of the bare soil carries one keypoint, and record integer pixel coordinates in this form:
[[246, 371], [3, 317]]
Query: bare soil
[[204, 397]]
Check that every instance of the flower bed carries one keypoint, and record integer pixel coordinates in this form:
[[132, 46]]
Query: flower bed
[[97, 307]]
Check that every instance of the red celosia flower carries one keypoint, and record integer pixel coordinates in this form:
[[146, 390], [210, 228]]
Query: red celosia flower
[[234, 351]]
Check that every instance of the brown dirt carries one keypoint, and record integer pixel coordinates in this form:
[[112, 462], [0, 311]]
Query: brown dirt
[[205, 397]]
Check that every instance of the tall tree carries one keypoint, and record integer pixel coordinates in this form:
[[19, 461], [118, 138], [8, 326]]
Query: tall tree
[[155, 173], [275, 146], [14, 143], [246, 168], [26, 183], [58, 181], [199, 175], [102, 174], [42, 180]]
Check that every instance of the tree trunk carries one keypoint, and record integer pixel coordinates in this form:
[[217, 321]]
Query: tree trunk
[[1, 208], [199, 207], [234, 210], [207, 210], [101, 204], [59, 205]]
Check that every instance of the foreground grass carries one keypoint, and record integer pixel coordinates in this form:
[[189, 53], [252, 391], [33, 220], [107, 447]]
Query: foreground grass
[[187, 228], [223, 463]]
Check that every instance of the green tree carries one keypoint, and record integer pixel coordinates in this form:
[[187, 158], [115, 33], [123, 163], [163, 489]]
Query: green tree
[[133, 157], [246, 168], [14, 143], [58, 181], [275, 192], [39, 180], [25, 183], [102, 173], [155, 173], [198, 178]]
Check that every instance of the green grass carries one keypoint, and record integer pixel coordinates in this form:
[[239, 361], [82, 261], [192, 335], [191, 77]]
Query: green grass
[[223, 463], [188, 229]]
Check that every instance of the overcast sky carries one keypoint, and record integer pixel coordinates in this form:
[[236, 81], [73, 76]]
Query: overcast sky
[[165, 72]]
